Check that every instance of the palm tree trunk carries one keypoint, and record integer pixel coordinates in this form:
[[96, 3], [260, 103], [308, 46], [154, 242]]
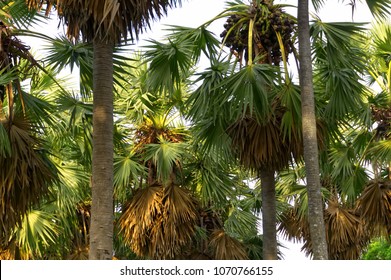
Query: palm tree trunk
[[102, 216], [269, 219], [311, 159]]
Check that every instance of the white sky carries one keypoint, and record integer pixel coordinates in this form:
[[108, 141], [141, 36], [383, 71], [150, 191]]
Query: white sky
[[195, 12]]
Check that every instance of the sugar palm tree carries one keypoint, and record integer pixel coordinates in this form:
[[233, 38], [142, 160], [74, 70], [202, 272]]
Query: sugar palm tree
[[184, 191], [26, 171], [375, 198], [353, 170], [105, 24], [379, 8], [263, 36], [241, 110]]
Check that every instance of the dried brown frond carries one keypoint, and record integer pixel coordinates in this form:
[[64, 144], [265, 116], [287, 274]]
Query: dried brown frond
[[106, 19], [293, 226], [159, 221], [24, 175], [80, 242], [226, 247], [262, 146], [12, 49], [147, 133], [345, 233], [374, 206], [5, 254]]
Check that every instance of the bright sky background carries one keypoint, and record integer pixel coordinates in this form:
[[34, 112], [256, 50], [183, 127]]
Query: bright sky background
[[195, 12]]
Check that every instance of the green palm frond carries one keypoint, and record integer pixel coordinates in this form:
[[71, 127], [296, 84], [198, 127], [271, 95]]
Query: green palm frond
[[205, 98], [76, 108], [170, 64], [342, 158], [127, 170], [16, 13], [202, 40], [240, 223], [25, 175], [248, 91], [38, 106], [339, 65], [7, 75], [37, 231], [62, 52], [381, 151], [378, 46], [167, 158], [73, 187], [381, 36], [211, 179], [378, 8], [341, 34]]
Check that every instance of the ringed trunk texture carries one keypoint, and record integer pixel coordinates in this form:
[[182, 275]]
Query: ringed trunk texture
[[269, 220], [311, 159], [102, 210]]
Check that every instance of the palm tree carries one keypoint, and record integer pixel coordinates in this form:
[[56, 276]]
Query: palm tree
[[374, 202], [104, 23], [309, 122], [242, 109], [315, 204], [354, 168], [26, 172], [180, 194]]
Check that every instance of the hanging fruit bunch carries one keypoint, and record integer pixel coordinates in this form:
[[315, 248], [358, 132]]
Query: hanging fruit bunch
[[269, 20]]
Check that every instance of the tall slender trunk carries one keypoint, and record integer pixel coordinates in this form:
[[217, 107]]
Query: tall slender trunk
[[102, 216], [311, 159], [269, 219]]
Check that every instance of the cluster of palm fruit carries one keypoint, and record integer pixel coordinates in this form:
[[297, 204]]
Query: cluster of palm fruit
[[270, 20]]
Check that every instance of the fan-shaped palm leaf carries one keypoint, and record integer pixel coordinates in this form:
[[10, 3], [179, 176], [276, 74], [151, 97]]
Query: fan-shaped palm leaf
[[203, 41], [38, 229], [25, 175], [249, 91], [166, 157], [170, 64], [338, 65], [158, 221], [16, 14], [226, 247], [127, 169], [241, 223], [210, 178], [378, 8], [374, 206], [345, 232]]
